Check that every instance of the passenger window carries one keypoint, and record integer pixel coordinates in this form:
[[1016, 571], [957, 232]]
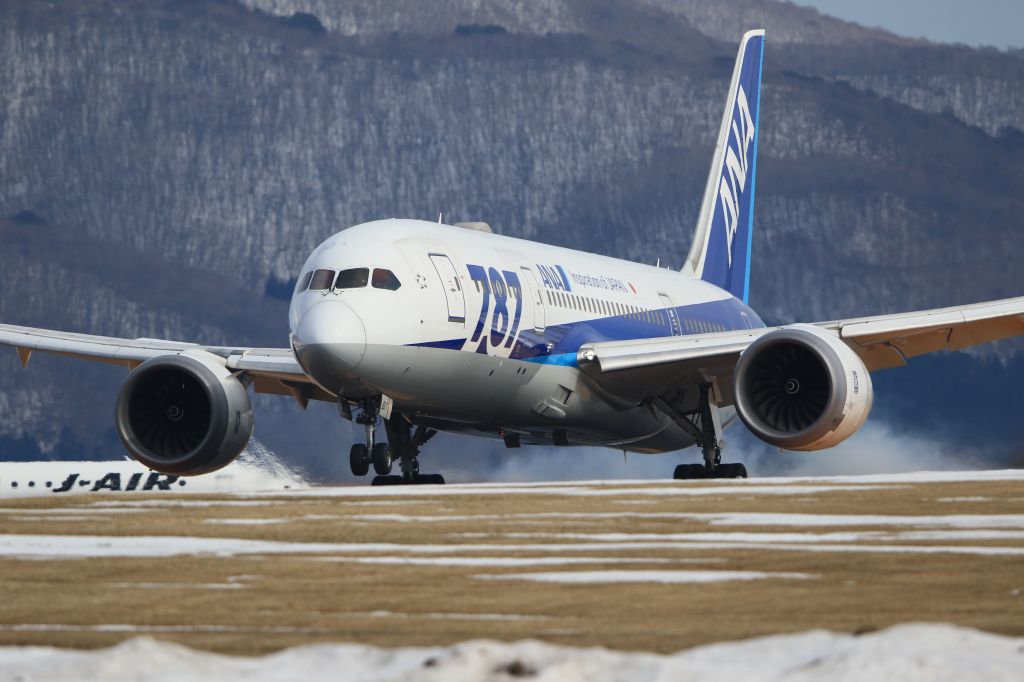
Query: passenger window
[[384, 279], [304, 282], [353, 278], [321, 280]]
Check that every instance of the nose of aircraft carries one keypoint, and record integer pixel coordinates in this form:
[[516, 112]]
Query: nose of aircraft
[[329, 342]]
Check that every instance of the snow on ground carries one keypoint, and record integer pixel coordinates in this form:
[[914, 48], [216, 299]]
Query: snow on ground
[[690, 577], [753, 486], [502, 561], [907, 653], [246, 522], [949, 521], [591, 489], [726, 519], [86, 546]]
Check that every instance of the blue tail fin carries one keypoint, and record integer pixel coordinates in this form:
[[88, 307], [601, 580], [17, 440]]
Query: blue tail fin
[[720, 253]]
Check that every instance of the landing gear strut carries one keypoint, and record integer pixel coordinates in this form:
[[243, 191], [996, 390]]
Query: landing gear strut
[[708, 441], [406, 443], [361, 456]]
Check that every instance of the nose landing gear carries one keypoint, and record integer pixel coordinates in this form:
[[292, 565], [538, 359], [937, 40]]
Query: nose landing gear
[[403, 444], [359, 455]]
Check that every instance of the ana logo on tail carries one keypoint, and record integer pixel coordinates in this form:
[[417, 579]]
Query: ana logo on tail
[[720, 253], [734, 171]]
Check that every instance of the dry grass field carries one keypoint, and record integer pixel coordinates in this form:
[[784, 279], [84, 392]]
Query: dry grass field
[[633, 566]]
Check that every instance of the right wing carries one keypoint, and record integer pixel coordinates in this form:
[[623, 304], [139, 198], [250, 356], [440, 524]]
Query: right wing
[[272, 370]]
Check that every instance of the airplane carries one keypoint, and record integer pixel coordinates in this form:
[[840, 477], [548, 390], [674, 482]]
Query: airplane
[[30, 479], [424, 327]]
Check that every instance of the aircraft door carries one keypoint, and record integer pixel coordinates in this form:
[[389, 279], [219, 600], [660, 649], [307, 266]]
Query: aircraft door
[[673, 316], [537, 296], [452, 287]]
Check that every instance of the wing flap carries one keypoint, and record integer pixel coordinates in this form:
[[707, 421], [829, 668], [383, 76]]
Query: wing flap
[[648, 368], [275, 362], [889, 340], [617, 356]]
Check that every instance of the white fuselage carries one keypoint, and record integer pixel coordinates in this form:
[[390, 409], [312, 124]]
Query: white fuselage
[[475, 332]]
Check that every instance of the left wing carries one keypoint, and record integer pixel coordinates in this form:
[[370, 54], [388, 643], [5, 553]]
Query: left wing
[[648, 368], [272, 370]]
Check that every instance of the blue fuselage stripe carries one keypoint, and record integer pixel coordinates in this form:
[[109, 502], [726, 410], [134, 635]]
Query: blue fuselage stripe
[[559, 343]]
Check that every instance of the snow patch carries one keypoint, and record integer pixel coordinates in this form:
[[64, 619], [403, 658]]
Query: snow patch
[[591, 577], [500, 562], [908, 653], [807, 520]]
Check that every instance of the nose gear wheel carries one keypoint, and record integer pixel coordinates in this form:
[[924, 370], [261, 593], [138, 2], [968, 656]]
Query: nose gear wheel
[[359, 460], [381, 457]]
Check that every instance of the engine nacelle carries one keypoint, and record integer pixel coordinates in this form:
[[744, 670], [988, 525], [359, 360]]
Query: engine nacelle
[[184, 414], [802, 388]]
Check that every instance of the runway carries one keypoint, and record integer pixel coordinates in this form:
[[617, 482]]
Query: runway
[[630, 566]]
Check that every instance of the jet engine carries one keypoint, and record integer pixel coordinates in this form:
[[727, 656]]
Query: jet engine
[[184, 414], [802, 388]]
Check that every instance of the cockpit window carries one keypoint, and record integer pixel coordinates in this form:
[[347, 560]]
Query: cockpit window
[[353, 278], [321, 280], [304, 282], [385, 279]]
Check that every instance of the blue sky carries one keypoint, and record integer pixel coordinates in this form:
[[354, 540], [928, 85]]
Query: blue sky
[[974, 22]]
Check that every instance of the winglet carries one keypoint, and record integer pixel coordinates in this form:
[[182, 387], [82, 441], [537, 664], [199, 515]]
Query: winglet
[[720, 253]]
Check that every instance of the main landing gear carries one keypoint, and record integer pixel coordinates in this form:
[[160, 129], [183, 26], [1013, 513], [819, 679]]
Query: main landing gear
[[707, 437], [403, 444]]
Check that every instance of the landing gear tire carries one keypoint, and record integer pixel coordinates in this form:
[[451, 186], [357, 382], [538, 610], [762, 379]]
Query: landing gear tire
[[732, 471], [425, 479], [359, 460], [381, 457], [692, 472], [687, 472]]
